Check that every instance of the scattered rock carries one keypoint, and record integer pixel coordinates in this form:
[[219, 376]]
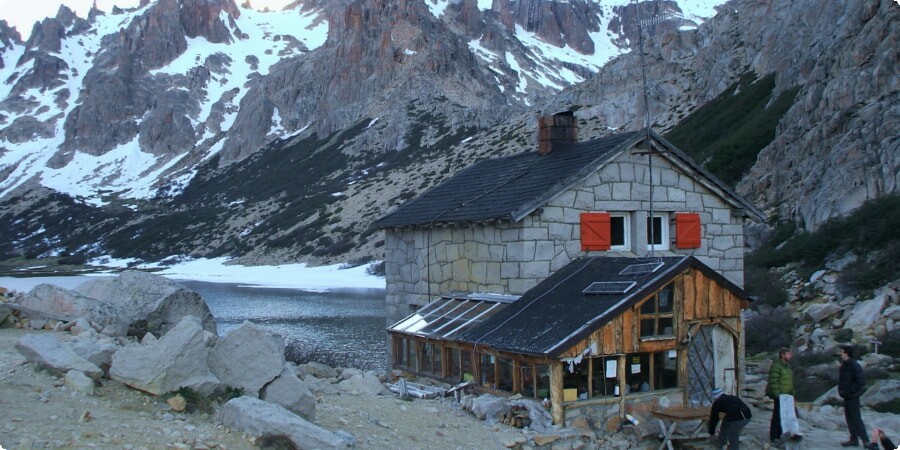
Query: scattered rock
[[79, 382], [289, 391], [47, 351], [260, 418]]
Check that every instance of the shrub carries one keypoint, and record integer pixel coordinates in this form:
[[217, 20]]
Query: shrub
[[892, 406], [809, 388], [766, 286], [768, 330], [890, 344]]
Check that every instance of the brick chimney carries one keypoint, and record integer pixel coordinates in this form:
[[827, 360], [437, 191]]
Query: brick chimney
[[558, 129]]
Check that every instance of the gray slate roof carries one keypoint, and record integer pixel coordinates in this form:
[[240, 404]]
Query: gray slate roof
[[510, 188], [555, 315]]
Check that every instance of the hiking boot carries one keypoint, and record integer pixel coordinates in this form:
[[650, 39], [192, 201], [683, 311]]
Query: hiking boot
[[850, 443]]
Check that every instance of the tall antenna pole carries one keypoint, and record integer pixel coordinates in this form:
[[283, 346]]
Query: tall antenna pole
[[650, 223], [641, 24]]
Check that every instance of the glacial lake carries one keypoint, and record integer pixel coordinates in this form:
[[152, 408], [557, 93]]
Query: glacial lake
[[339, 327]]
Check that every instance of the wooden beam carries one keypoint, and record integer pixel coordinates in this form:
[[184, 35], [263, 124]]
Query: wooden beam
[[620, 372], [557, 409], [590, 377]]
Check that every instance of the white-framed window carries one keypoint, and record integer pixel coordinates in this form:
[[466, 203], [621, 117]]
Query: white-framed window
[[620, 231], [659, 238]]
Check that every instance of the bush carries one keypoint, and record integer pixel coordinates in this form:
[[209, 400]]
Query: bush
[[810, 386], [766, 286], [890, 344], [892, 407], [768, 330]]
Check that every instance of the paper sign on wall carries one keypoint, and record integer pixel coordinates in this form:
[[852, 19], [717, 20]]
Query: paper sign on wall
[[671, 354], [635, 368], [610, 368]]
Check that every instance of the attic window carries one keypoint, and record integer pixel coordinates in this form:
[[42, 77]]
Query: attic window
[[641, 269], [657, 314], [658, 232], [609, 287]]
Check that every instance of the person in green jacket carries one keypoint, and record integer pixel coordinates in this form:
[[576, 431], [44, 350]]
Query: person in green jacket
[[781, 381]]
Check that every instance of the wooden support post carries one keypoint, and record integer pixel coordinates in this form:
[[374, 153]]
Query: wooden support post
[[517, 377], [620, 373], [557, 409], [590, 377]]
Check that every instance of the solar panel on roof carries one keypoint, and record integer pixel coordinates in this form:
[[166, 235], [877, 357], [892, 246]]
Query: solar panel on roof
[[609, 287], [641, 269]]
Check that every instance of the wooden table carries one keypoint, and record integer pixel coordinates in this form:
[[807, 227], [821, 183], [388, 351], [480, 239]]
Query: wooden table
[[676, 415]]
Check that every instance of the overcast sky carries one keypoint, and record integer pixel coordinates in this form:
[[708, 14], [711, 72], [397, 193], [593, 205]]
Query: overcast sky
[[22, 14]]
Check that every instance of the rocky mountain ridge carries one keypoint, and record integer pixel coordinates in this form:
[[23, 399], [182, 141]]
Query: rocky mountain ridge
[[288, 152]]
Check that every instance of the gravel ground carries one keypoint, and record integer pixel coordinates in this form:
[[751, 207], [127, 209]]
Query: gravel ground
[[38, 411]]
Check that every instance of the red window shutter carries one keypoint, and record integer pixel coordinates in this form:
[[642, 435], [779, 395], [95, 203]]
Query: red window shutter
[[595, 231], [687, 230]]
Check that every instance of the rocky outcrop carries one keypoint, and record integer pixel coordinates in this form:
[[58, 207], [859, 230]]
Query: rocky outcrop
[[833, 149]]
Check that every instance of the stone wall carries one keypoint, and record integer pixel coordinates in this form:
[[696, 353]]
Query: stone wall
[[510, 258]]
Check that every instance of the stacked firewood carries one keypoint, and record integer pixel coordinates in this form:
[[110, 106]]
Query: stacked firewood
[[517, 416]]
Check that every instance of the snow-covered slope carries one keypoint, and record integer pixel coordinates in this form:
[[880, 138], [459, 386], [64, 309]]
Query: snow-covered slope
[[261, 40]]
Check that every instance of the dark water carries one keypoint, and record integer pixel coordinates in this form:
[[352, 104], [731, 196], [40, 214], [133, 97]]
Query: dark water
[[340, 328]]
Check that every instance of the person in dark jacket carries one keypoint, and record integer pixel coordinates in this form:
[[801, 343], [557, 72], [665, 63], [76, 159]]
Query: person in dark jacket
[[737, 416], [851, 382], [781, 381]]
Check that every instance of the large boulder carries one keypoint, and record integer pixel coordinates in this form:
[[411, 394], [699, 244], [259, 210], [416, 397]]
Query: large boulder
[[48, 351], [289, 391], [263, 419], [176, 360], [865, 314], [247, 357], [152, 303], [46, 301], [882, 391]]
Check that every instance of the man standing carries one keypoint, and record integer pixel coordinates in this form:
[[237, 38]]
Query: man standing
[[851, 382], [781, 381], [737, 416]]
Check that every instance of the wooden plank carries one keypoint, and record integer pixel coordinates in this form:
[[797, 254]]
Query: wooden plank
[[628, 331], [557, 411], [702, 296], [618, 338], [608, 340], [715, 299], [677, 309], [688, 296], [657, 345]]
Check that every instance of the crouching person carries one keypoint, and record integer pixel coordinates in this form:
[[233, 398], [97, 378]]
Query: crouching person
[[737, 416]]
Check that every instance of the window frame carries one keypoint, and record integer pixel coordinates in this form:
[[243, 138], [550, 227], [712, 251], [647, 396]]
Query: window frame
[[657, 315], [626, 231], [663, 237]]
